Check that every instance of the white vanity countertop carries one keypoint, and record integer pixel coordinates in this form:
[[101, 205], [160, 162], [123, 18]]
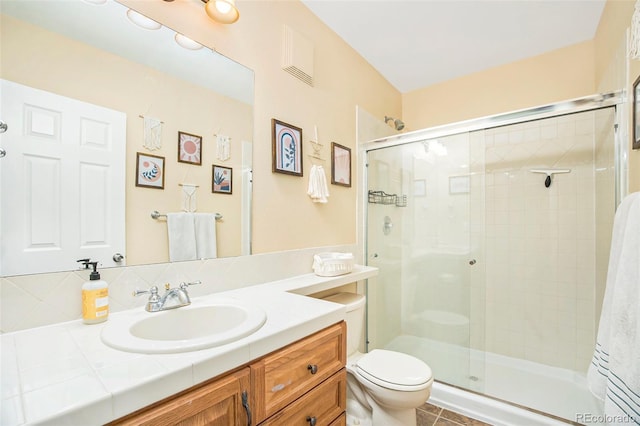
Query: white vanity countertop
[[63, 374]]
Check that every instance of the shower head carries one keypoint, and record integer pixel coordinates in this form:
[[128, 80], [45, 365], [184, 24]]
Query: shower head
[[397, 123]]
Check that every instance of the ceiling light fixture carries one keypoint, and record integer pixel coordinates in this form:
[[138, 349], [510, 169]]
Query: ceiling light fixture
[[222, 11], [187, 43], [142, 21]]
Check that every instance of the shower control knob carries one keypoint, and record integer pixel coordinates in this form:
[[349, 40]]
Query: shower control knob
[[313, 368], [472, 262]]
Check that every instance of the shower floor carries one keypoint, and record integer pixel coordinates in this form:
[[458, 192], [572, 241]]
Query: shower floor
[[556, 391]]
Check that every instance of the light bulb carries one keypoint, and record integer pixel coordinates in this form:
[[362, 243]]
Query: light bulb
[[223, 7], [187, 43], [142, 21]]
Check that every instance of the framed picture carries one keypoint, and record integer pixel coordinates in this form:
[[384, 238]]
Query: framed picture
[[221, 181], [636, 114], [189, 148], [149, 171], [286, 148], [459, 184], [340, 165]]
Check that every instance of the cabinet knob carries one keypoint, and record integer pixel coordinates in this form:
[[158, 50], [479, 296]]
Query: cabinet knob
[[312, 420], [313, 368]]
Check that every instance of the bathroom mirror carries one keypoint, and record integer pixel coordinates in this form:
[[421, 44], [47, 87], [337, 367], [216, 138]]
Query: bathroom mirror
[[91, 51]]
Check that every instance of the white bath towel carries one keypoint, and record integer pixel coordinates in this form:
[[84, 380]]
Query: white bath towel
[[318, 189], [614, 372], [182, 236], [205, 231]]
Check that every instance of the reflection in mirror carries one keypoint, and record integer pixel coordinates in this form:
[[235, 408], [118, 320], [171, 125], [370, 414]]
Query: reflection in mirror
[[88, 93]]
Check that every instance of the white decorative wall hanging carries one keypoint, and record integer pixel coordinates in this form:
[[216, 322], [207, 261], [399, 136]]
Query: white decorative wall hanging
[[189, 200], [152, 133], [222, 147]]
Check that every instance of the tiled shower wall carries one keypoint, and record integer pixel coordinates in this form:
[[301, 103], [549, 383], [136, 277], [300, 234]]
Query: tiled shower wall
[[541, 258]]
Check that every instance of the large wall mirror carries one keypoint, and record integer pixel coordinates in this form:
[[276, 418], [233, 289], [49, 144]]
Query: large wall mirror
[[150, 105]]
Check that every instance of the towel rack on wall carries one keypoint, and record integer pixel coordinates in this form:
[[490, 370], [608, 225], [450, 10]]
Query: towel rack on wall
[[156, 215]]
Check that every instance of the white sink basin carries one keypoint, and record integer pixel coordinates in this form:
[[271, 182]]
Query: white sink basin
[[190, 328]]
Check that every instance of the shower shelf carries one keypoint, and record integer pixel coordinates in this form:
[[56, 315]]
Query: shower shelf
[[381, 197]]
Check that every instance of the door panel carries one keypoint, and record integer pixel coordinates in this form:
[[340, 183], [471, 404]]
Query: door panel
[[64, 180]]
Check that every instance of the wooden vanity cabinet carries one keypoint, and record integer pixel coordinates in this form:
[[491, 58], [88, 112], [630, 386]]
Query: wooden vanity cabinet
[[301, 384], [310, 370], [219, 402]]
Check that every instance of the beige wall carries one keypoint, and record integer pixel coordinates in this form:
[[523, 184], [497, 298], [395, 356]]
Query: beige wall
[[579, 70], [283, 215], [555, 76]]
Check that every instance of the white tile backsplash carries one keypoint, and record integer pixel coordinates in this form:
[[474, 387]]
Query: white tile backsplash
[[29, 301]]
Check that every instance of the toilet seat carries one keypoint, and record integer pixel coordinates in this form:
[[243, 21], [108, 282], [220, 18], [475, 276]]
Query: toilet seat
[[394, 370]]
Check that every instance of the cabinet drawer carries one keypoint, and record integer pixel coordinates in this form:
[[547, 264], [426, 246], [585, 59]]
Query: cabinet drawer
[[340, 421], [321, 406], [282, 377]]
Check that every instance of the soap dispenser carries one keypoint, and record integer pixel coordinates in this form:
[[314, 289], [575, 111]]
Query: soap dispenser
[[95, 297]]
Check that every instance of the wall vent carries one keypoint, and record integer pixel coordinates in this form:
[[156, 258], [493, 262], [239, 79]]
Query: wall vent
[[297, 55]]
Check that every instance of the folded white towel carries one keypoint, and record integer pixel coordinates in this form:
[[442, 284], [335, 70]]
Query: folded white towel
[[205, 231], [614, 372], [182, 240], [318, 189]]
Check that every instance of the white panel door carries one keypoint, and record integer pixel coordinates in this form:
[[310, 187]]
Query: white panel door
[[62, 184]]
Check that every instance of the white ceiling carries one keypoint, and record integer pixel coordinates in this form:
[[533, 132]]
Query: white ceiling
[[417, 43]]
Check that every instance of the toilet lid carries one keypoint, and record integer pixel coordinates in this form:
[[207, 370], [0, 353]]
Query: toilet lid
[[392, 369]]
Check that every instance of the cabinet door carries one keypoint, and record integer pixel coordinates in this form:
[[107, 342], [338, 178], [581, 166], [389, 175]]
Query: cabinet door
[[218, 403]]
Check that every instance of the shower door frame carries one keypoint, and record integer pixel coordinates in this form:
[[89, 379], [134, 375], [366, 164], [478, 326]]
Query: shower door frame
[[583, 104]]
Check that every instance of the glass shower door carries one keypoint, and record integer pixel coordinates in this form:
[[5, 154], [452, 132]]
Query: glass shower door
[[425, 224]]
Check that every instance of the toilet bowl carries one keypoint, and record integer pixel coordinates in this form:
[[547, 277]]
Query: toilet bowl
[[383, 387]]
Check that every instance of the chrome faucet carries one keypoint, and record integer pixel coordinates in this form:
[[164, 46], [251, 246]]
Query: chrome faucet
[[172, 299]]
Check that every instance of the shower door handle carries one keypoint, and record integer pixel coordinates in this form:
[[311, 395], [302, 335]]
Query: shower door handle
[[472, 262]]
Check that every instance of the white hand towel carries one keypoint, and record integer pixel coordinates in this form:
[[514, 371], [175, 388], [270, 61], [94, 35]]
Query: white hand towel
[[205, 231], [182, 236], [614, 372], [318, 190]]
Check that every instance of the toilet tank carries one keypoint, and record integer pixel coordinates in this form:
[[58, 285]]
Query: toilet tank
[[355, 317]]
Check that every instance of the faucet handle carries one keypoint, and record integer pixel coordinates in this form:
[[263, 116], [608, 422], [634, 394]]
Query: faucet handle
[[153, 291], [184, 285]]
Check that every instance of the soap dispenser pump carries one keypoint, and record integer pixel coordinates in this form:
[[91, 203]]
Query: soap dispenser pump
[[95, 296]]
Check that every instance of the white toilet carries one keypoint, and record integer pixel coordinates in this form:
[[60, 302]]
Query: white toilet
[[384, 388]]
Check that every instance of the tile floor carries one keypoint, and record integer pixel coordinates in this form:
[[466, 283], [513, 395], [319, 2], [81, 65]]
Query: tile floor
[[431, 415]]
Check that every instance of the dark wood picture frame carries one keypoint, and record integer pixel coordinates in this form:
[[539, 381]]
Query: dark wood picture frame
[[189, 148], [286, 148], [150, 170], [340, 165], [220, 174]]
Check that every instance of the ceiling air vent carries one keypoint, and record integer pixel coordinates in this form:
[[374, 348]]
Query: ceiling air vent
[[297, 55]]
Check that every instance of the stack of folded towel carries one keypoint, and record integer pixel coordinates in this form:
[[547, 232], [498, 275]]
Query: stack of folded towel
[[318, 190]]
